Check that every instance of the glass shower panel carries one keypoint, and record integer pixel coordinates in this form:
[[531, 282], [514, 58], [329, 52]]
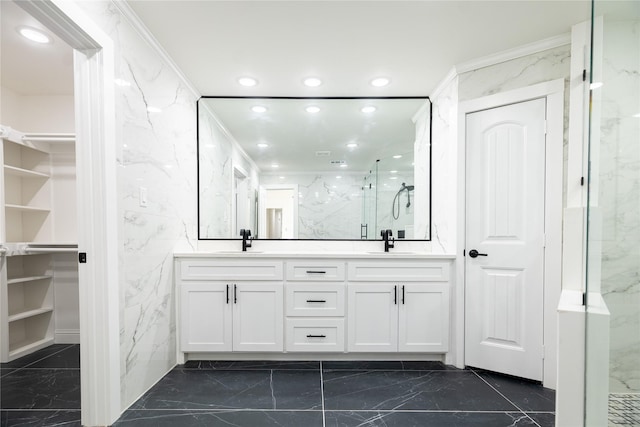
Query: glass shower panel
[[613, 229]]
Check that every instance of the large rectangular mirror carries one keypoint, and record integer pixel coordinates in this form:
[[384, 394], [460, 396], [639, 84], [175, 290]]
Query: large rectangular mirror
[[314, 168]]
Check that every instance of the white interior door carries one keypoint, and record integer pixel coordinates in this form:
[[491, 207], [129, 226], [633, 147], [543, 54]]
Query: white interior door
[[505, 226]]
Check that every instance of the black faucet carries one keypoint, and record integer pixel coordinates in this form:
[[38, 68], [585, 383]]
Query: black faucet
[[246, 239], [386, 234]]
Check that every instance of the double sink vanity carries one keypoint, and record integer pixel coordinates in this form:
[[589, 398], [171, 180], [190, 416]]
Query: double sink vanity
[[277, 305]]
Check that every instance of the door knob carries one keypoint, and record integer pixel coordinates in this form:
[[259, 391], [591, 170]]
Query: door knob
[[473, 253]]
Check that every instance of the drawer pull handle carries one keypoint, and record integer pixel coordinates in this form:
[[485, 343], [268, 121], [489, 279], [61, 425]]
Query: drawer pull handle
[[316, 272], [316, 300], [316, 336]]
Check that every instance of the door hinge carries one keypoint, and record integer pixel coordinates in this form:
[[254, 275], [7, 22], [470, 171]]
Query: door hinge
[[464, 252], [582, 180], [82, 257], [584, 298], [584, 75]]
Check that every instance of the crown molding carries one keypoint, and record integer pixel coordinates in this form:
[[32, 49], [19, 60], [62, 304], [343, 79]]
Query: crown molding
[[134, 20], [451, 75], [518, 52]]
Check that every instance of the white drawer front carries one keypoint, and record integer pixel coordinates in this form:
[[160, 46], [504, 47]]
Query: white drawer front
[[232, 269], [315, 335], [406, 271], [315, 300], [315, 271]]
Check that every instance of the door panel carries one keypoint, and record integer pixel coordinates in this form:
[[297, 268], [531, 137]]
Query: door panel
[[373, 317], [424, 317], [505, 221], [206, 324], [258, 317]]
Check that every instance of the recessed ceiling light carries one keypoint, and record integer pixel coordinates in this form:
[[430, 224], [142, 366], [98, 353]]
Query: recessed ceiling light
[[34, 35], [312, 109], [275, 165], [380, 82], [344, 165], [397, 156], [258, 109], [282, 177], [368, 109], [312, 82], [263, 145], [154, 109], [247, 81], [352, 145], [393, 171], [338, 177], [637, 115], [394, 177]]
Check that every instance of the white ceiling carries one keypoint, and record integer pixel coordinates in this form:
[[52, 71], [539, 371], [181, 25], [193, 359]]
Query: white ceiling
[[345, 43]]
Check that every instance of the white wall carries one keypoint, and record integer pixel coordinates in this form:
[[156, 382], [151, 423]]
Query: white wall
[[46, 113]]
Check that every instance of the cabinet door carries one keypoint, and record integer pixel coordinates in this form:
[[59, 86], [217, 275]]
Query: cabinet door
[[205, 317], [372, 317], [423, 317], [258, 317]]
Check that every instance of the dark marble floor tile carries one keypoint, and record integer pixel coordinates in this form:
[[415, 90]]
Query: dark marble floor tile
[[67, 358], [426, 419], [35, 356], [5, 371], [402, 390], [245, 365], [544, 419], [40, 418], [41, 389], [527, 395], [390, 365], [213, 389], [220, 418]]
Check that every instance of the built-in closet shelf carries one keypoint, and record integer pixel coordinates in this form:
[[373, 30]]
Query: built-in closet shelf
[[27, 346], [24, 173], [27, 279], [22, 208], [29, 313]]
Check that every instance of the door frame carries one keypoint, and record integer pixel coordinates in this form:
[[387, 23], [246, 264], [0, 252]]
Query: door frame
[[94, 68], [262, 211], [553, 91]]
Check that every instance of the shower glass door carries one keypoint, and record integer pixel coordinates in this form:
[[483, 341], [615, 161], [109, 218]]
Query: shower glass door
[[612, 376]]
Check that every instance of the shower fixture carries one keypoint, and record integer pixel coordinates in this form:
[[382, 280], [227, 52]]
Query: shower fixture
[[409, 189]]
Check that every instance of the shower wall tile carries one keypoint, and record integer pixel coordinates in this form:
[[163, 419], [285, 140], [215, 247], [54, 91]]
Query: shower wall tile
[[156, 150], [619, 199]]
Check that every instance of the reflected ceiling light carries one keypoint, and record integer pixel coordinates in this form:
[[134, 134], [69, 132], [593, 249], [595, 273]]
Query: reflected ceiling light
[[352, 145], [393, 171], [393, 177], [247, 81], [154, 109], [368, 109], [275, 165], [312, 82], [397, 156], [338, 177], [344, 165], [595, 85], [312, 109], [282, 177], [34, 35], [262, 145], [380, 82], [258, 109], [637, 115], [122, 82]]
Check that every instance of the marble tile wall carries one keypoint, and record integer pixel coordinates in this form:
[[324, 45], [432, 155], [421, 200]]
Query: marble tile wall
[[619, 199], [156, 137]]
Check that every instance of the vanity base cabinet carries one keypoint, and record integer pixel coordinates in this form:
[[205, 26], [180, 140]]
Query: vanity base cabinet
[[206, 317], [231, 317], [315, 335], [372, 317], [423, 317]]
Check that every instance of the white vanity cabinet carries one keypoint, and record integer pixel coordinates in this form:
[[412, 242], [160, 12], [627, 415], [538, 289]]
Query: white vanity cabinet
[[398, 306], [230, 305], [315, 305]]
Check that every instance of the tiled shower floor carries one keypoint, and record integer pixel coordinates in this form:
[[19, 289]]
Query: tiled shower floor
[[44, 390]]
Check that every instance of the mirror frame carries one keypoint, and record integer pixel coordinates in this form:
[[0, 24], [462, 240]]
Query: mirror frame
[[205, 97]]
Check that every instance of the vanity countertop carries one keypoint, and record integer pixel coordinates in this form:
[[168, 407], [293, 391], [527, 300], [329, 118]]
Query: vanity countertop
[[342, 255]]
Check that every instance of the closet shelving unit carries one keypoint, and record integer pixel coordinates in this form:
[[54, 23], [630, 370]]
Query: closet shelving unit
[[29, 238]]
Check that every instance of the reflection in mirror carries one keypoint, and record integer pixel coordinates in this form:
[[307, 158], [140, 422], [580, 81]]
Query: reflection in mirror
[[344, 169]]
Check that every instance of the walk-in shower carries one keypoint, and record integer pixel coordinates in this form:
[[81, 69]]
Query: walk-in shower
[[396, 199]]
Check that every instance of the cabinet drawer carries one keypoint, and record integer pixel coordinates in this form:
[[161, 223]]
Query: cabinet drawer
[[322, 299], [232, 269], [405, 271], [315, 335], [315, 271]]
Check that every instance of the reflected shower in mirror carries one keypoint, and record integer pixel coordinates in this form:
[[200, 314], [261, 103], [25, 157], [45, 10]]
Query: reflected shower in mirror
[[314, 168]]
